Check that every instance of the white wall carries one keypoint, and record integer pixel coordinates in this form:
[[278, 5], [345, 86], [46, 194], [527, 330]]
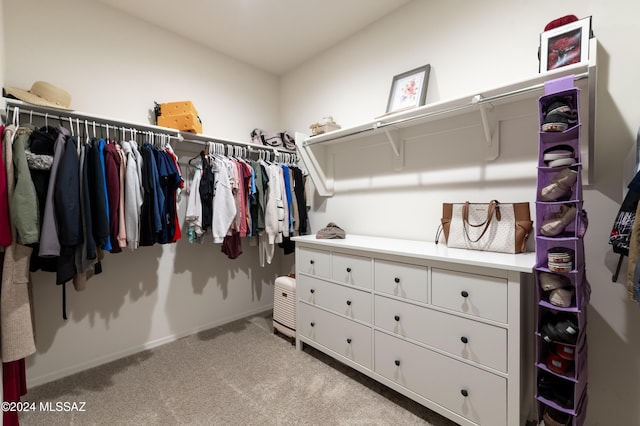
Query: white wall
[[116, 66], [472, 46]]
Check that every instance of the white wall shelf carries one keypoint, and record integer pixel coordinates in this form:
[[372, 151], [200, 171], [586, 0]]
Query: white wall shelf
[[320, 165]]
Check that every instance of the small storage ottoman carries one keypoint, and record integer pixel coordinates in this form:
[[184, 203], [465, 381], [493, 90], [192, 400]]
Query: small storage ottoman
[[284, 306]]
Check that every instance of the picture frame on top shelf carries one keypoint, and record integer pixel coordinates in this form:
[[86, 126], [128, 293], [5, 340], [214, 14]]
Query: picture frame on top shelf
[[565, 45], [409, 89]]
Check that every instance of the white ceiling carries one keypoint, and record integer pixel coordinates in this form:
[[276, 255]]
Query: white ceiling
[[272, 35]]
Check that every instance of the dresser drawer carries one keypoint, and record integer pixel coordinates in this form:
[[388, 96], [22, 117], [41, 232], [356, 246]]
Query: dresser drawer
[[345, 337], [401, 279], [479, 295], [314, 262], [353, 270], [347, 301], [485, 344], [443, 380]]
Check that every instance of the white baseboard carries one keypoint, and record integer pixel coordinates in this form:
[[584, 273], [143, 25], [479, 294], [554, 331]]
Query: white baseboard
[[59, 374]]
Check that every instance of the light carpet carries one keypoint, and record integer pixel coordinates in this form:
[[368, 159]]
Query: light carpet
[[240, 373]]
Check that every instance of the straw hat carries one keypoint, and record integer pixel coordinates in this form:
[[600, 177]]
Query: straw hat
[[42, 93]]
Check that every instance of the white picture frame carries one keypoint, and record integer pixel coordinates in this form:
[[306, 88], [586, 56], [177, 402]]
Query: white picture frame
[[565, 45]]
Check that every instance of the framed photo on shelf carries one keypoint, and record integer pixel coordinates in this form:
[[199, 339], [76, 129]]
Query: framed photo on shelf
[[565, 45], [409, 89]]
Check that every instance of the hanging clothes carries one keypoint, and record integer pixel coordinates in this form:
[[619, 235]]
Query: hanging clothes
[[86, 254], [206, 187], [17, 339], [170, 181], [258, 201], [132, 193], [39, 154], [101, 144], [274, 215], [175, 194], [23, 205], [98, 195], [49, 241], [14, 386], [224, 206], [299, 191], [122, 227], [150, 219], [193, 215], [5, 224], [112, 178], [68, 217]]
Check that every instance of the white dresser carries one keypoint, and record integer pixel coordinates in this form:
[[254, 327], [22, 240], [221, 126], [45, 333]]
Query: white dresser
[[451, 329]]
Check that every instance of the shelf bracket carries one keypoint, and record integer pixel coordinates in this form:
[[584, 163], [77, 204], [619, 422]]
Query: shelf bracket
[[397, 145], [491, 128], [324, 183]]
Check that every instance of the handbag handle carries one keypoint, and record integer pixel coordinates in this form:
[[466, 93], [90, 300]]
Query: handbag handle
[[493, 208]]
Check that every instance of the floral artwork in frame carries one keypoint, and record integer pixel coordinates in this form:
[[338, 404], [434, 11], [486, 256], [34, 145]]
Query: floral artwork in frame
[[409, 89], [565, 45]]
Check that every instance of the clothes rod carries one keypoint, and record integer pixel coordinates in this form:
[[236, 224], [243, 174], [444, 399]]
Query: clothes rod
[[476, 100], [64, 116]]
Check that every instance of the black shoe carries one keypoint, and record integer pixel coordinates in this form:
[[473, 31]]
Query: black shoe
[[559, 115], [558, 104], [556, 390], [559, 121], [560, 328]]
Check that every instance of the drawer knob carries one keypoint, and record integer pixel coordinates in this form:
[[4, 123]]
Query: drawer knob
[[397, 317], [349, 340], [464, 393], [312, 262], [396, 280], [397, 362], [312, 290], [464, 293], [464, 339], [349, 302], [348, 269], [313, 324]]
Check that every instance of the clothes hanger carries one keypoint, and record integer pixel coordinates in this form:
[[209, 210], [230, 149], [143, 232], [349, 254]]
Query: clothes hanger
[[16, 116], [86, 132], [79, 144]]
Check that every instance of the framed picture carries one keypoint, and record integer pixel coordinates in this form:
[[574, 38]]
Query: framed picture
[[409, 89], [565, 45]]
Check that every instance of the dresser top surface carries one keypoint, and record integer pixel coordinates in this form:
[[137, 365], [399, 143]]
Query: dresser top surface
[[522, 262]]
